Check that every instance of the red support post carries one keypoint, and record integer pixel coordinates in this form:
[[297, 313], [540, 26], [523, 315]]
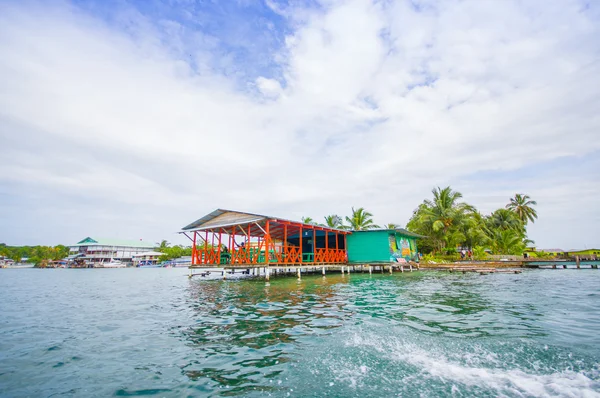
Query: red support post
[[247, 245], [267, 241], [327, 259], [219, 249], [300, 242], [194, 250], [285, 256], [337, 238], [231, 248], [205, 251], [314, 246]]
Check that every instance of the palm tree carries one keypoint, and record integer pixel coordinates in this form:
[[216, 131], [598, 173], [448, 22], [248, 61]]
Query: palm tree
[[361, 220], [445, 210], [163, 245], [508, 242], [307, 220], [391, 226], [440, 219], [473, 229], [522, 205], [504, 219], [334, 221]]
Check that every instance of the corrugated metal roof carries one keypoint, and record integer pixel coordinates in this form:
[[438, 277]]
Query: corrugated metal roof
[[223, 218], [150, 253], [114, 242], [398, 230]]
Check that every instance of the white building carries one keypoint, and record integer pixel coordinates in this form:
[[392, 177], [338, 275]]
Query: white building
[[103, 250], [146, 258]]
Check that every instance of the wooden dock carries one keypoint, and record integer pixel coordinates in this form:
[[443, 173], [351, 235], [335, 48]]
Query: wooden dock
[[267, 271]]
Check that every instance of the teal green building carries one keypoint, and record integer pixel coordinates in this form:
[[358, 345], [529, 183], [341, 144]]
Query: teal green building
[[381, 245]]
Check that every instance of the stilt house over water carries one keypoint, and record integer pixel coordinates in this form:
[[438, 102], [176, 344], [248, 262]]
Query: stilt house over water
[[233, 238], [382, 246]]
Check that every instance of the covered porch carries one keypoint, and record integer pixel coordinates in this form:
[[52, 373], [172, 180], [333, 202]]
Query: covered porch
[[231, 238]]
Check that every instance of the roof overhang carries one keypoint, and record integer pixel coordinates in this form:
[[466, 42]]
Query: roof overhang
[[400, 231], [239, 223]]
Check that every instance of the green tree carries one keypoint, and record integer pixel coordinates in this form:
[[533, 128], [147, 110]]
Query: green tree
[[504, 219], [507, 241], [473, 229], [391, 226], [440, 219], [361, 220], [334, 221], [308, 220], [522, 205], [162, 245]]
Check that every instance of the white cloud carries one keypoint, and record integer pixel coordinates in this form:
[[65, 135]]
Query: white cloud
[[378, 102]]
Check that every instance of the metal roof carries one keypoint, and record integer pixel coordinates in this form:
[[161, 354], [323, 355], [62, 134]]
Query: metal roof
[[151, 253], [221, 218], [114, 242], [401, 231]]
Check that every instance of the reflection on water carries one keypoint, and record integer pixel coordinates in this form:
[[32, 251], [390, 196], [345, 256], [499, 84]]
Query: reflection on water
[[156, 333], [250, 334]]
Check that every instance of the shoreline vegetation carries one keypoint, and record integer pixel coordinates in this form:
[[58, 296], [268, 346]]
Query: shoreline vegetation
[[450, 226]]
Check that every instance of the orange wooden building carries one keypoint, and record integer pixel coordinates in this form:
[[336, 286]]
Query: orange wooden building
[[232, 238]]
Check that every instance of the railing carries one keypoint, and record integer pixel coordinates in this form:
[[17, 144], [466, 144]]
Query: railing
[[278, 255]]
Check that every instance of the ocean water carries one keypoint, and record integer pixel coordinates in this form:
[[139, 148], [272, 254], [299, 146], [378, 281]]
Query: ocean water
[[154, 332]]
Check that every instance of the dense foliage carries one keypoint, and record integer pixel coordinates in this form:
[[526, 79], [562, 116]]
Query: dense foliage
[[360, 219], [170, 252], [449, 223], [34, 254]]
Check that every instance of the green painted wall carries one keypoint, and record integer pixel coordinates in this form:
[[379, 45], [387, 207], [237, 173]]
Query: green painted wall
[[586, 252], [368, 246], [379, 246]]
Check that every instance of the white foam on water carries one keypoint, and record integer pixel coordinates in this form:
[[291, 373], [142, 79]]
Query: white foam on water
[[513, 382]]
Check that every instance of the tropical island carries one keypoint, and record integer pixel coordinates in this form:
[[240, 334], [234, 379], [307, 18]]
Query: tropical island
[[447, 225]]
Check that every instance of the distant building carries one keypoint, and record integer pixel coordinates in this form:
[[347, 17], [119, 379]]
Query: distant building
[[553, 252], [104, 250], [146, 258], [587, 254]]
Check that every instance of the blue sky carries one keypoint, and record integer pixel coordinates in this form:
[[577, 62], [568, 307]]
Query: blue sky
[[129, 119]]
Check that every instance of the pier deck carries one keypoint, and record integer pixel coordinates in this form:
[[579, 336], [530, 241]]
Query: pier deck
[[268, 270]]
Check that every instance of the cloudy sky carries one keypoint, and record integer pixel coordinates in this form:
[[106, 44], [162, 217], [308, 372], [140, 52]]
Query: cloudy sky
[[130, 119]]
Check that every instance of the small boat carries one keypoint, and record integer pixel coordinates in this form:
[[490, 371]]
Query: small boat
[[20, 265], [114, 264]]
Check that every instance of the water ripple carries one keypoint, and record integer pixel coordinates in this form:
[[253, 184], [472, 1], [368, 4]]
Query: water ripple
[[154, 332]]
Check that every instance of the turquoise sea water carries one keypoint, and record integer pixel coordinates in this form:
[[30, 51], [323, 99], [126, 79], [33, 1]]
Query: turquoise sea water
[[154, 332]]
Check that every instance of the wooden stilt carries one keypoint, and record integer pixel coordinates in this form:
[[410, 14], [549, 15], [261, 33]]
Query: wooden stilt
[[391, 269], [577, 262], [370, 270], [267, 273], [323, 270], [401, 268], [410, 265], [299, 273]]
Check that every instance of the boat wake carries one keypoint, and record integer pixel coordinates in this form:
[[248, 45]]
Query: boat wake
[[468, 369]]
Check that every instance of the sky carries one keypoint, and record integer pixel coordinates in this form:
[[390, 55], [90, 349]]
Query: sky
[[130, 119]]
